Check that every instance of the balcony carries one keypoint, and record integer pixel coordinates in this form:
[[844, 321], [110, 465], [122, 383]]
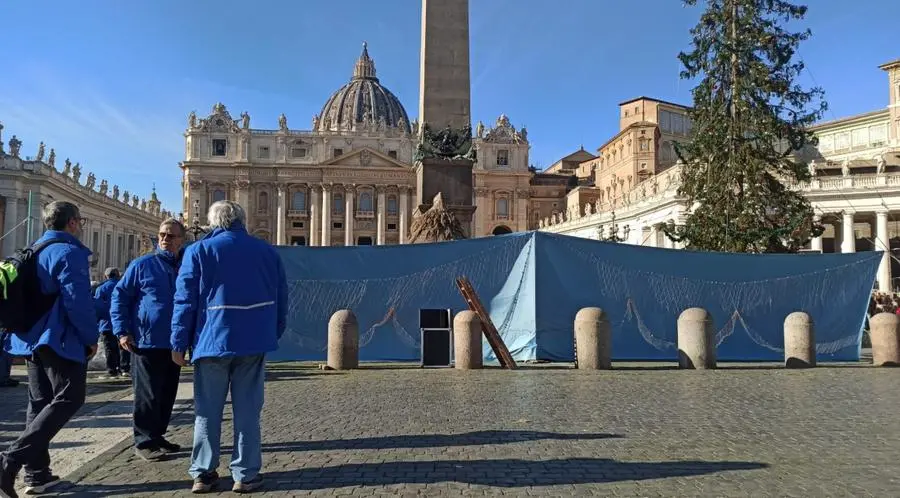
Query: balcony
[[364, 214], [297, 213]]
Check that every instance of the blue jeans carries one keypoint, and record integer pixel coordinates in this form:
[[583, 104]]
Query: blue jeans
[[245, 375], [5, 365]]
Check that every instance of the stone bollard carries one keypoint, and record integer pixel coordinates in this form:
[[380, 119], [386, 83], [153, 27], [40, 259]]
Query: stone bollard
[[883, 329], [696, 341], [343, 341], [799, 341], [467, 341], [592, 340]]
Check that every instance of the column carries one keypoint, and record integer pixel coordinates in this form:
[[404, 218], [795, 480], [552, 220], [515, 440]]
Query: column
[[349, 193], [848, 242], [314, 215], [654, 236], [242, 192], [404, 209], [326, 215], [816, 242], [280, 214], [882, 243], [382, 212], [11, 239]]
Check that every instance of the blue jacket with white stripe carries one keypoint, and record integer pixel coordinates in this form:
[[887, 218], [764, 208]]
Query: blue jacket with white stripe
[[231, 296]]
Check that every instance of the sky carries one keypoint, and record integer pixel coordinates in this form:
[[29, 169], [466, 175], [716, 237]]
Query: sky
[[110, 83]]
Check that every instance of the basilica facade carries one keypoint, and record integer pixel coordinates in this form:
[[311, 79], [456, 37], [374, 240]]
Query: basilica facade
[[349, 179]]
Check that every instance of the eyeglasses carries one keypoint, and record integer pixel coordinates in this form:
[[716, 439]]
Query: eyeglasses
[[167, 236]]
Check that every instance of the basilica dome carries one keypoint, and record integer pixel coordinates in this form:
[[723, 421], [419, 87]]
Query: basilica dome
[[363, 104]]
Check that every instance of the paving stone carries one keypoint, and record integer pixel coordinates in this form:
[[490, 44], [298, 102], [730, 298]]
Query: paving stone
[[830, 431]]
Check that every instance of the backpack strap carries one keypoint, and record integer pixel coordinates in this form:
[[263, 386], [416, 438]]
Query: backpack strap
[[36, 248]]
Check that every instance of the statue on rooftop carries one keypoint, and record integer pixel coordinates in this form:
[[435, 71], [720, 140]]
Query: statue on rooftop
[[51, 159], [40, 154], [76, 172]]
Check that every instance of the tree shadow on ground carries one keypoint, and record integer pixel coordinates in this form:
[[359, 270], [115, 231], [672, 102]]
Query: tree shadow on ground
[[502, 473], [477, 438]]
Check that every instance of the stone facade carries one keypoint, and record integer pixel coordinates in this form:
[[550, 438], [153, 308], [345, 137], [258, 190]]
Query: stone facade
[[855, 185], [116, 226], [351, 178]]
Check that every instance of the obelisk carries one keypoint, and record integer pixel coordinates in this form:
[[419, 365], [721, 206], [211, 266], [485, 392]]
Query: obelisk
[[444, 109]]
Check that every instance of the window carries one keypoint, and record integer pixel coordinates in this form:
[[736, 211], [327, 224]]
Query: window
[[365, 202], [392, 205], [503, 208], [645, 145], [843, 141], [337, 202], [262, 203], [298, 202], [860, 138], [298, 152], [392, 154], [218, 195], [337, 224], [95, 245], [392, 227], [297, 224], [878, 135], [219, 146], [298, 241], [338, 152], [263, 152], [502, 157]]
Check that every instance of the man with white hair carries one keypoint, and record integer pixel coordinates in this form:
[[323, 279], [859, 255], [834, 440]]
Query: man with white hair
[[230, 310]]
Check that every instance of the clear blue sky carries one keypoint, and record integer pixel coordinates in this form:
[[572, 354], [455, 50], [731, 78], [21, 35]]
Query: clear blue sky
[[110, 83]]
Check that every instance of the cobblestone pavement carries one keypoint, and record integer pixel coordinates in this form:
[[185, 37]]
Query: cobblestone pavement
[[634, 432]]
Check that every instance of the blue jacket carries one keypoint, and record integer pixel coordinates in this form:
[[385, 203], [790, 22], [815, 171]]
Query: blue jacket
[[102, 303], [231, 296], [142, 300], [70, 327]]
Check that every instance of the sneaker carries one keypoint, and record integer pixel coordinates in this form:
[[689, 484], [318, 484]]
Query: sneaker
[[40, 483], [9, 383], [204, 483], [151, 454], [248, 486], [168, 446]]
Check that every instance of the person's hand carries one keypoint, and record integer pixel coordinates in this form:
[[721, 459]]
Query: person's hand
[[178, 358], [126, 342], [91, 351]]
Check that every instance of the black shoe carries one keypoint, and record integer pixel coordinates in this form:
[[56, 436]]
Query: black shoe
[[204, 483], [7, 484], [168, 447], [9, 383], [39, 483], [152, 454]]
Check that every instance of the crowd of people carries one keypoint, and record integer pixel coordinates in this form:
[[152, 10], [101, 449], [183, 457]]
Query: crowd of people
[[219, 304], [882, 302]]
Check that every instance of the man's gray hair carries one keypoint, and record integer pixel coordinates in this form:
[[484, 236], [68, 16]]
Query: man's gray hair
[[57, 214], [111, 272], [223, 213], [172, 222]]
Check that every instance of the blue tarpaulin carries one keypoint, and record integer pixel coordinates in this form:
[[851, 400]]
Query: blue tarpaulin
[[534, 283]]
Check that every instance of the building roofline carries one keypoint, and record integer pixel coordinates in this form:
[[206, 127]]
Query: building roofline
[[642, 97], [848, 119], [622, 131], [890, 65]]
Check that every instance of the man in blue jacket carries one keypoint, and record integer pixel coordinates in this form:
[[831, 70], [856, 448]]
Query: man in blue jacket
[[230, 310], [56, 349], [141, 315], [118, 360]]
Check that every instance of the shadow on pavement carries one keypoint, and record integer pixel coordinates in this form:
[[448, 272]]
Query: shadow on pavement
[[504, 473], [477, 438]]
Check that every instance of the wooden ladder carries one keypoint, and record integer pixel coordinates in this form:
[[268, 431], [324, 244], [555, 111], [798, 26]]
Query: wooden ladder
[[487, 326]]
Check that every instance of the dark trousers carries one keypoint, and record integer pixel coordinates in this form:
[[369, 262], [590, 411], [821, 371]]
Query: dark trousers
[[117, 359], [155, 380], [56, 390]]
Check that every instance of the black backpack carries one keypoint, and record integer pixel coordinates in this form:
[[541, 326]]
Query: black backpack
[[22, 303]]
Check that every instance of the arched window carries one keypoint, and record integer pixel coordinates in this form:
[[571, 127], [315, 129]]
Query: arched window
[[503, 207], [218, 195], [262, 203], [337, 202], [365, 202], [392, 205], [298, 202]]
